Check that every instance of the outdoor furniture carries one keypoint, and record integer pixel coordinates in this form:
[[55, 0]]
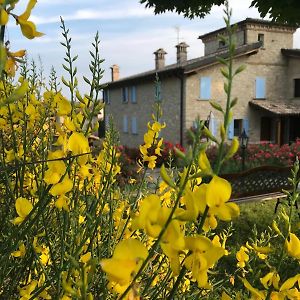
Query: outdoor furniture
[[261, 183]]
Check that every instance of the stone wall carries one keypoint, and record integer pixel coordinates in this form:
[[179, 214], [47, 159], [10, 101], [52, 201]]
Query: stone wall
[[143, 108]]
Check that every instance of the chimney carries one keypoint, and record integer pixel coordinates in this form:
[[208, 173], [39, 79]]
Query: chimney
[[115, 72], [160, 58], [181, 52]]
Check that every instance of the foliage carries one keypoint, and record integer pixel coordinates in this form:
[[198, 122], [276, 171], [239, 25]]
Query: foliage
[[278, 10], [69, 230], [261, 154]]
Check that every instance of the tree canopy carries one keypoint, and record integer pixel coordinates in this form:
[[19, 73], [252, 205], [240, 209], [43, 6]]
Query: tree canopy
[[283, 11]]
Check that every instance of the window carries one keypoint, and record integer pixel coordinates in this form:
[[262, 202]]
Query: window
[[297, 87], [106, 96], [125, 94], [133, 94], [205, 88], [237, 126], [222, 44], [261, 38], [125, 124], [134, 129], [260, 88]]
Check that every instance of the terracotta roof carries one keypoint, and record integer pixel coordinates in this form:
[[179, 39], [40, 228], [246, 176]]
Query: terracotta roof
[[277, 108], [188, 66]]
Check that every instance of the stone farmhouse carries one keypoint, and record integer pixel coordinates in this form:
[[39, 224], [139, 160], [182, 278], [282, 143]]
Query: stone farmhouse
[[268, 91]]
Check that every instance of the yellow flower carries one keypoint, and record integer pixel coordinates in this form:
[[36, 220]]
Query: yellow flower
[[225, 296], [267, 280], [204, 255], [85, 257], [26, 291], [62, 203], [156, 126], [3, 17], [45, 255], [149, 213], [191, 211], [289, 283], [257, 294], [56, 169], [293, 246], [23, 208], [28, 28], [217, 194], [125, 262], [78, 143], [158, 147], [149, 137], [64, 107], [242, 257], [21, 252], [204, 163], [62, 187]]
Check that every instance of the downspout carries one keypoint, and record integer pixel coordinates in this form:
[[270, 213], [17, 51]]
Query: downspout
[[181, 114]]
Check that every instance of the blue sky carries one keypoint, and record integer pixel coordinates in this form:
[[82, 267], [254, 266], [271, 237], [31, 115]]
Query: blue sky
[[129, 33]]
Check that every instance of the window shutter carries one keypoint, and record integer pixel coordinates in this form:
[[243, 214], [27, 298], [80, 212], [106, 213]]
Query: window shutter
[[260, 88], [134, 129], [106, 96], [246, 126], [214, 126], [205, 88], [133, 94], [231, 130], [158, 91], [125, 124], [125, 94]]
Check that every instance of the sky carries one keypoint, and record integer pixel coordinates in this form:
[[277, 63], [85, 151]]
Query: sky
[[129, 33]]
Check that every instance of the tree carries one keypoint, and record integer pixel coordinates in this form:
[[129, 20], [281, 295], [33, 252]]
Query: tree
[[283, 11]]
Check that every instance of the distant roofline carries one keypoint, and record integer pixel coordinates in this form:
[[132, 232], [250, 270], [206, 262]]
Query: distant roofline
[[187, 67], [248, 21], [291, 52]]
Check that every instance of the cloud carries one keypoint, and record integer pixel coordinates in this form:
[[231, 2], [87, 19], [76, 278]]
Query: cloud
[[89, 14]]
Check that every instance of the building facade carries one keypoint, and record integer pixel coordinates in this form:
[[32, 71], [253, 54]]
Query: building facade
[[268, 91]]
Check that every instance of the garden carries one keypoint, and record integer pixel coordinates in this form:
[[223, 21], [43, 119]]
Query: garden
[[83, 223]]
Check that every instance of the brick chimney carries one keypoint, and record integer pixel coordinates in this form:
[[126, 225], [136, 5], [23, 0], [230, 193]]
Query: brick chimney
[[181, 52], [160, 58], [115, 72]]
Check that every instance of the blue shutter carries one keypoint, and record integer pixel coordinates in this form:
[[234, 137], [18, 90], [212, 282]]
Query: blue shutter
[[106, 96], [260, 88], [205, 88], [246, 126], [231, 130], [214, 126], [125, 124], [125, 94], [134, 129], [158, 91], [133, 94]]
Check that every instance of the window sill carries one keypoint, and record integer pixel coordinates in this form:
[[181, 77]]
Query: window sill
[[259, 98], [201, 99]]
